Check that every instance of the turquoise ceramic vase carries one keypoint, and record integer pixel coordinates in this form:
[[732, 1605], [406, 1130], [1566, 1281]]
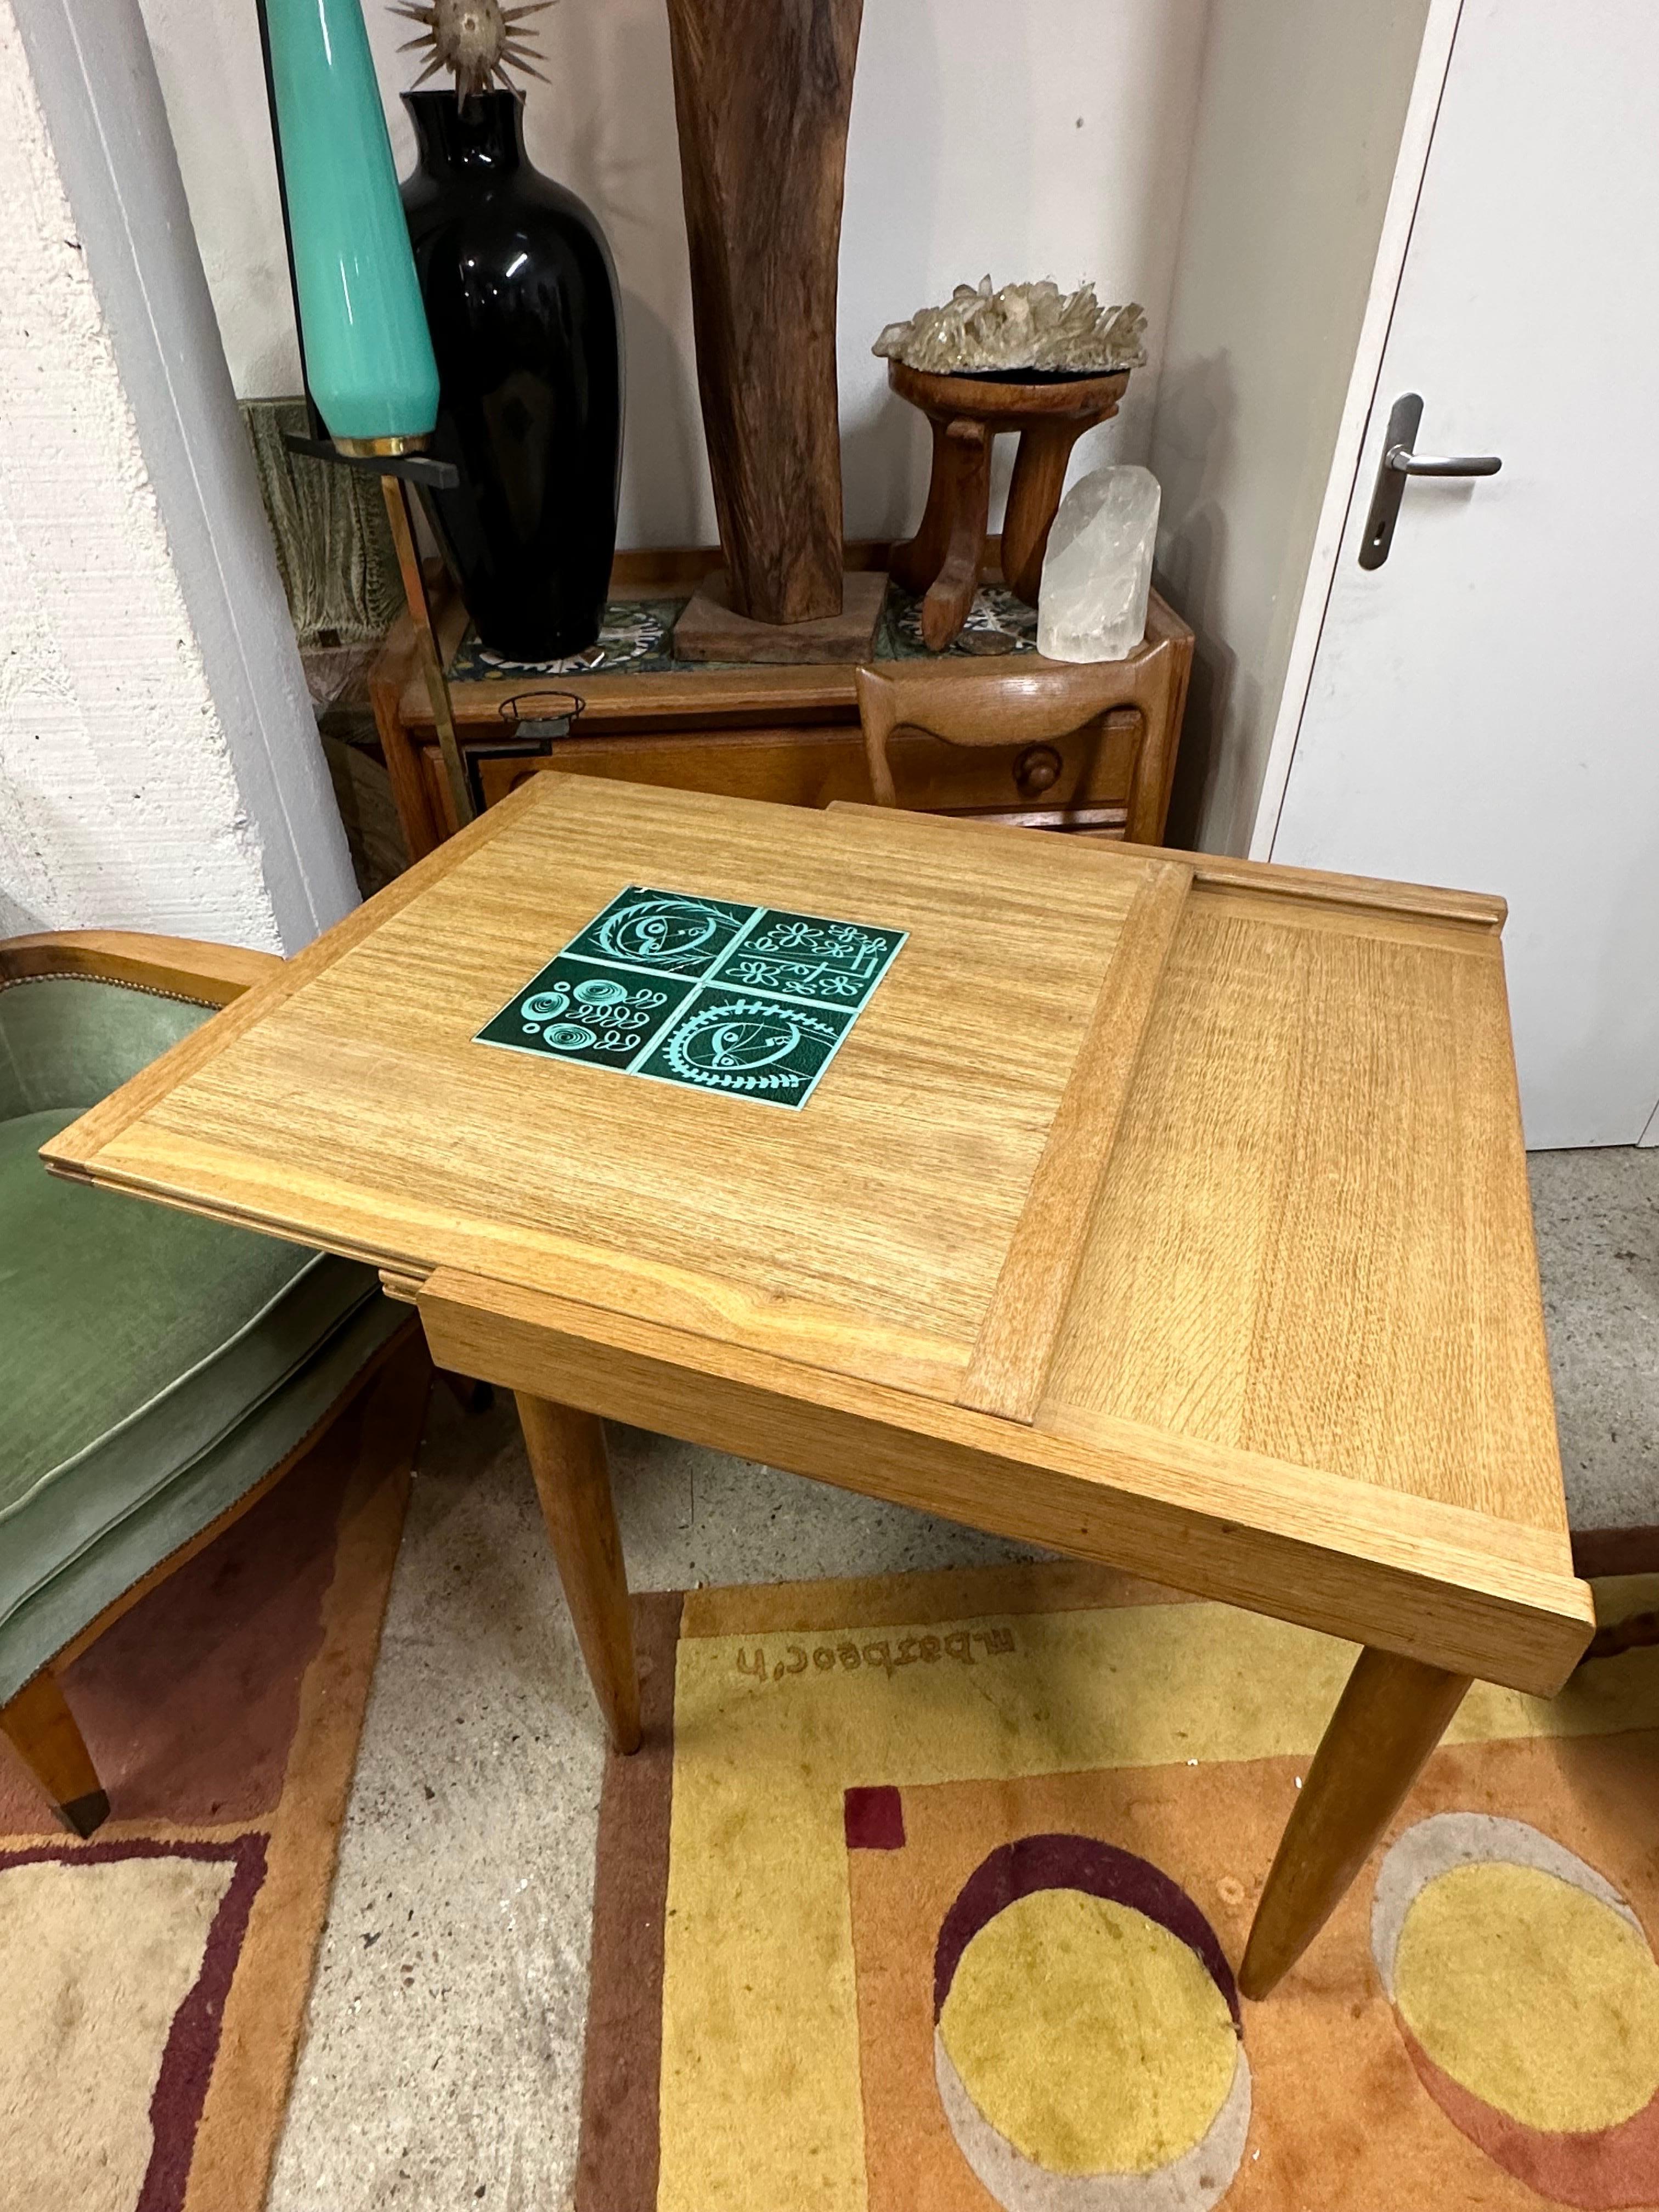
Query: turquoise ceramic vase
[[368, 354]]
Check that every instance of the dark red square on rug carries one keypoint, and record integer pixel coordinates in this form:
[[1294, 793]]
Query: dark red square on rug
[[874, 1819]]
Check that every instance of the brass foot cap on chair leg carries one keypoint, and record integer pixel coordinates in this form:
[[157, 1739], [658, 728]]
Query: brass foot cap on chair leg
[[83, 1815]]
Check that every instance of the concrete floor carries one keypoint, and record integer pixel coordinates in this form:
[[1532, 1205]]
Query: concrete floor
[[442, 2061], [1597, 1214]]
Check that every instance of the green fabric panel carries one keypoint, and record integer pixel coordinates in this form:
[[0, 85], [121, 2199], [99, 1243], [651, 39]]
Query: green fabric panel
[[108, 1304], [133, 1339], [153, 1366], [71, 1040], [197, 1493]]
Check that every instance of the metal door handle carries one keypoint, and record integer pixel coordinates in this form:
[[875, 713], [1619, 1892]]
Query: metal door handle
[[1432, 464], [1399, 462]]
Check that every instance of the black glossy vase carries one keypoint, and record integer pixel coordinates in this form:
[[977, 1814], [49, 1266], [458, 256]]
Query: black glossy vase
[[521, 296]]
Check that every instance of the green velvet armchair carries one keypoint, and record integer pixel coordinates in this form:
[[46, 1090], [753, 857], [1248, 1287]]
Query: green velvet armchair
[[158, 1372]]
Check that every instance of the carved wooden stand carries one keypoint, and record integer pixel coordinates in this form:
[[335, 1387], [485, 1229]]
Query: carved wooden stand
[[762, 96], [943, 559]]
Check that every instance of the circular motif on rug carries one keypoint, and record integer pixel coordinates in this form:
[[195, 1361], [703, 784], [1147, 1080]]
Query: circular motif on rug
[[1527, 1995], [1087, 2041]]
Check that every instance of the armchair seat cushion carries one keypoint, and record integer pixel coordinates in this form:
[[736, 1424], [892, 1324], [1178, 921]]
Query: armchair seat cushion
[[153, 1366]]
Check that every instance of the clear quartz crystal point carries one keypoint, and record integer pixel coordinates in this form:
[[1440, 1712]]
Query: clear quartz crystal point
[[1097, 571]]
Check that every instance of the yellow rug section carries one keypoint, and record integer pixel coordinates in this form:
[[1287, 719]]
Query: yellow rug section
[[1477, 1976], [785, 1700], [1061, 1990]]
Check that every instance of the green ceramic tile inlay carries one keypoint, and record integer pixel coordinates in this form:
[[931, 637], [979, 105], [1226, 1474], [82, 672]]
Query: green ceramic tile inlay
[[749, 1042], [637, 638], [832, 963], [578, 1011], [665, 932], [752, 1000]]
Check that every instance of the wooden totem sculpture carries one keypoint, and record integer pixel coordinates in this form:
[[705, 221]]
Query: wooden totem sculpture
[[762, 89]]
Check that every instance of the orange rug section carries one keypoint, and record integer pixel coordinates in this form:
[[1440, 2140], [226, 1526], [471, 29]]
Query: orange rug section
[[925, 1895], [156, 1974]]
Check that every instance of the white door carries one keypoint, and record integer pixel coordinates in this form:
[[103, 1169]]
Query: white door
[[1484, 707]]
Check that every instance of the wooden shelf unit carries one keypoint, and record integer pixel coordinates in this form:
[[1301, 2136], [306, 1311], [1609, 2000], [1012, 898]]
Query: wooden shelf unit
[[789, 735]]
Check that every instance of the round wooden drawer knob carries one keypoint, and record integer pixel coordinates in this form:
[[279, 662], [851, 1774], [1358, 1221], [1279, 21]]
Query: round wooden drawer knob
[[1036, 769]]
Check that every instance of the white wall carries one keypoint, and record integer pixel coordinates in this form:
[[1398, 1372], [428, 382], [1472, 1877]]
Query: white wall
[[1044, 138], [158, 763], [1298, 130]]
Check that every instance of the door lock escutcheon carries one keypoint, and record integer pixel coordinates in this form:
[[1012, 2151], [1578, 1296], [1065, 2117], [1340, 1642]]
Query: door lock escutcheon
[[1399, 462]]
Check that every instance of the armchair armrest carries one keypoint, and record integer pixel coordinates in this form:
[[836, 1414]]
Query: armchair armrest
[[213, 975]]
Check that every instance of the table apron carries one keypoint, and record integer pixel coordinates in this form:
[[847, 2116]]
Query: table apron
[[1524, 1642]]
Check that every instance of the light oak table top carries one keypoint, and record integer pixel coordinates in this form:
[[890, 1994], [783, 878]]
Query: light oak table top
[[1167, 1210]]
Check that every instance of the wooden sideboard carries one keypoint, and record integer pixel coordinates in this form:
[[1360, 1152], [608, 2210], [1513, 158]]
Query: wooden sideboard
[[785, 734]]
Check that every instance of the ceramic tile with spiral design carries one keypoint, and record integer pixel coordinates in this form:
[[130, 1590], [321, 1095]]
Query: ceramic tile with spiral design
[[747, 1000]]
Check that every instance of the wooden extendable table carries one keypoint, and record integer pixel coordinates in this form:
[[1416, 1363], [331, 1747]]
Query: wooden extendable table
[[1165, 1210]]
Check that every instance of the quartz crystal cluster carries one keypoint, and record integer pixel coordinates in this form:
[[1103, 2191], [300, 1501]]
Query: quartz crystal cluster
[[1097, 571], [1035, 326]]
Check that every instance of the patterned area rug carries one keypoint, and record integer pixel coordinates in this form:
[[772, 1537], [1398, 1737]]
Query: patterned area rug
[[924, 1895], [156, 1976]]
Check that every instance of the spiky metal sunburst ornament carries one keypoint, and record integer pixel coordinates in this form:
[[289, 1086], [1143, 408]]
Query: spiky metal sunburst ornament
[[478, 39]]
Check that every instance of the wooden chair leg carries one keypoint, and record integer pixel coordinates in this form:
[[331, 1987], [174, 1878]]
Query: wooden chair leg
[[965, 458], [41, 1729], [572, 1480], [913, 565], [1390, 1718], [1033, 490]]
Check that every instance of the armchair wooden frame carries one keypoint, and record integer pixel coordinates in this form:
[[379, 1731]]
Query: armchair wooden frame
[[1034, 701], [178, 967], [391, 1388]]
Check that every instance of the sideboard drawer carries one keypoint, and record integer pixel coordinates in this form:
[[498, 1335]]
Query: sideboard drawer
[[809, 766]]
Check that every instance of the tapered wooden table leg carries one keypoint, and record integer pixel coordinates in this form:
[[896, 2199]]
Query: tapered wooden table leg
[[1387, 1720], [572, 1480]]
